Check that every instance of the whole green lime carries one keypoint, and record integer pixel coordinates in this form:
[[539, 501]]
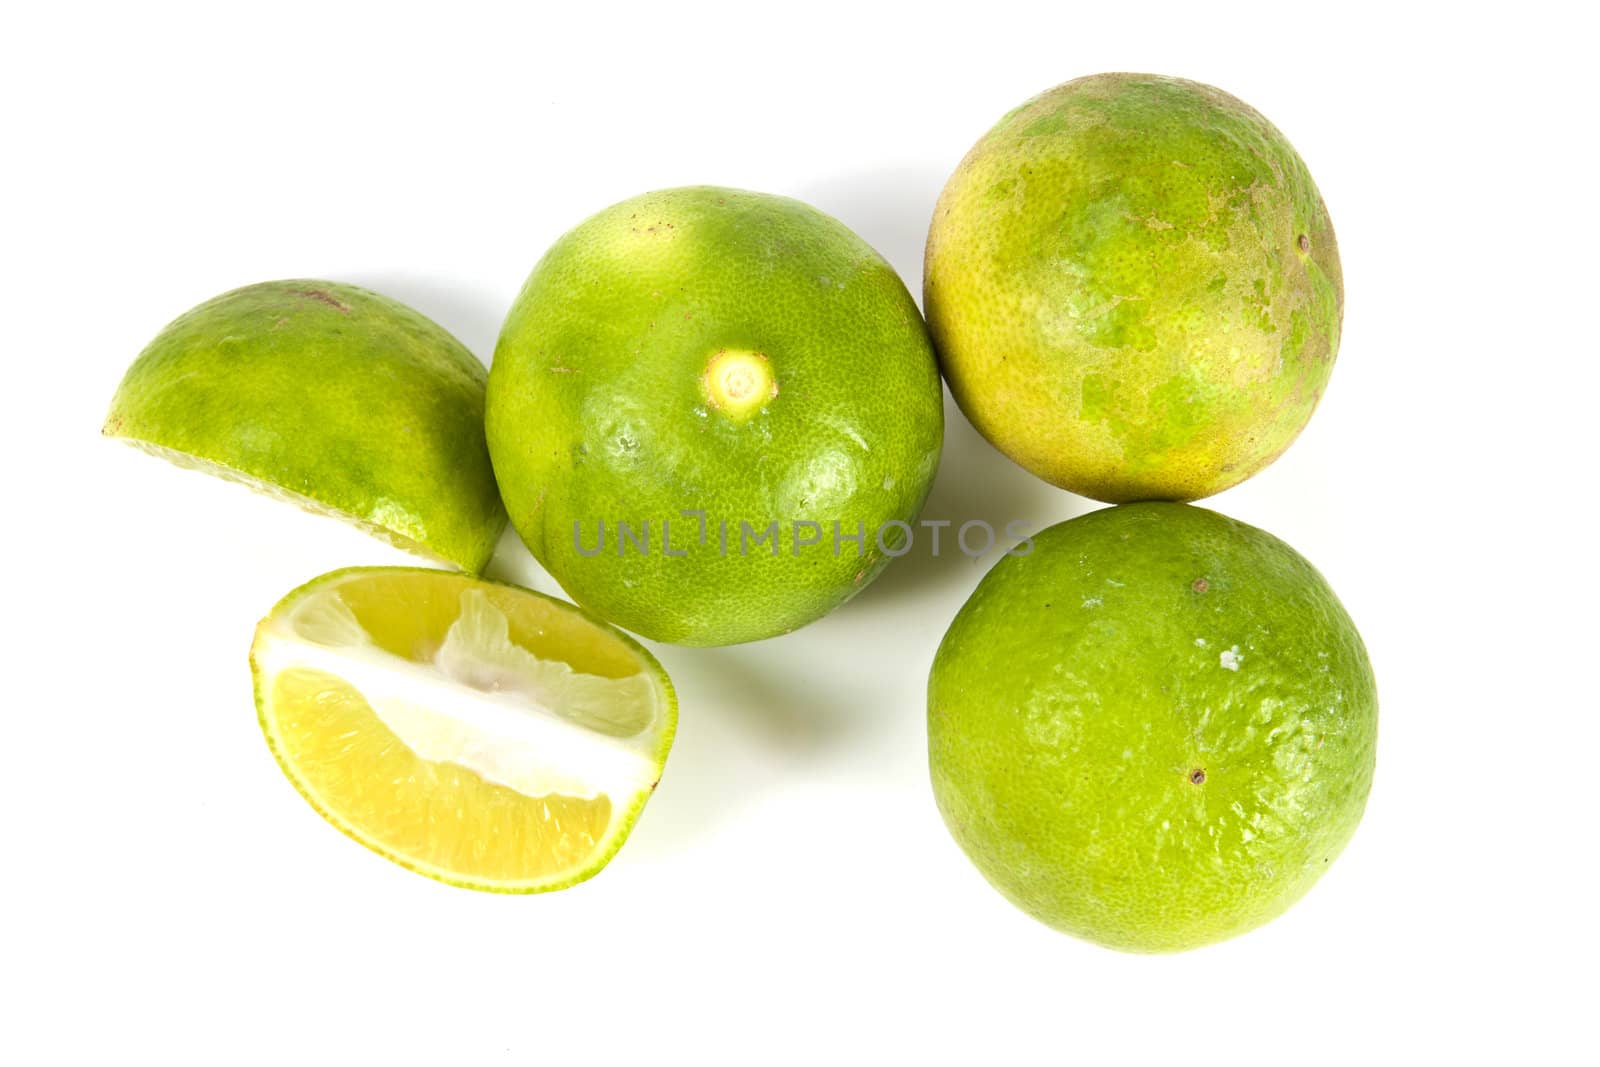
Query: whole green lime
[[1155, 730], [1134, 288], [708, 409], [330, 396]]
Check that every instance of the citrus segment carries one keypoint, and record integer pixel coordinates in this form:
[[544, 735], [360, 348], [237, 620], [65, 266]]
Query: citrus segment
[[458, 727]]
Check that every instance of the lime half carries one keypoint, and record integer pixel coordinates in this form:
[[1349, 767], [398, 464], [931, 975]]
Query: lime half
[[331, 397], [481, 734]]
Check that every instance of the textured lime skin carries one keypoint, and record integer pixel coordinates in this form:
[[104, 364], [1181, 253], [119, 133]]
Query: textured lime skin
[[1109, 772], [337, 397], [598, 412], [1134, 288]]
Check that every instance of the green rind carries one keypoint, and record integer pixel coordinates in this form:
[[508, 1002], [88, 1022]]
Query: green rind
[[1117, 288], [331, 394], [596, 410], [623, 824], [1069, 703]]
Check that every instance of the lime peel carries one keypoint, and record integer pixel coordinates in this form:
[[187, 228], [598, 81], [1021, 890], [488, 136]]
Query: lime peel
[[335, 397], [1125, 780]]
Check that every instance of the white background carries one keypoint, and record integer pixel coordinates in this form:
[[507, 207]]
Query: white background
[[790, 893]]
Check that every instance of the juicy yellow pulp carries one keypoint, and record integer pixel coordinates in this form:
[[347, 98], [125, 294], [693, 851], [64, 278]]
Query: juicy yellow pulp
[[408, 612], [433, 814], [463, 644]]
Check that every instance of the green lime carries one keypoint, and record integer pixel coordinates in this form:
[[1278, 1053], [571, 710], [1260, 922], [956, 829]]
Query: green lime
[[1134, 288], [332, 397], [1155, 730], [708, 408], [478, 733]]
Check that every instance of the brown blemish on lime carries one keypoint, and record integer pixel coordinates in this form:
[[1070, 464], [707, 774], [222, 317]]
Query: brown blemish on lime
[[1200, 585], [1305, 243], [325, 297], [1197, 776]]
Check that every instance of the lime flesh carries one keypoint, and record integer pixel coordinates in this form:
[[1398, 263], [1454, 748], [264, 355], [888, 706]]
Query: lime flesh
[[480, 734], [1155, 730]]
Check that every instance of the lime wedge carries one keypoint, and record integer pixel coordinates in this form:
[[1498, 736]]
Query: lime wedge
[[331, 397]]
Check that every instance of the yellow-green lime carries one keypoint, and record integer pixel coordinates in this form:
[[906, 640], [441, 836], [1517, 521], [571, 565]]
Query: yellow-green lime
[[332, 397], [705, 407], [1134, 288], [481, 734], [1155, 730]]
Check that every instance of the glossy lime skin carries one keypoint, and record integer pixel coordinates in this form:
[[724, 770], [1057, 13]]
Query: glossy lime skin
[[598, 412], [337, 397], [1154, 731], [1134, 288]]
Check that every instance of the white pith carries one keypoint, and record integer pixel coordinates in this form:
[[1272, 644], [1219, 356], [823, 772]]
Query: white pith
[[482, 702]]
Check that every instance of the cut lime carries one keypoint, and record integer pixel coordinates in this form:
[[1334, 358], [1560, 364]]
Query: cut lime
[[481, 734], [331, 397]]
